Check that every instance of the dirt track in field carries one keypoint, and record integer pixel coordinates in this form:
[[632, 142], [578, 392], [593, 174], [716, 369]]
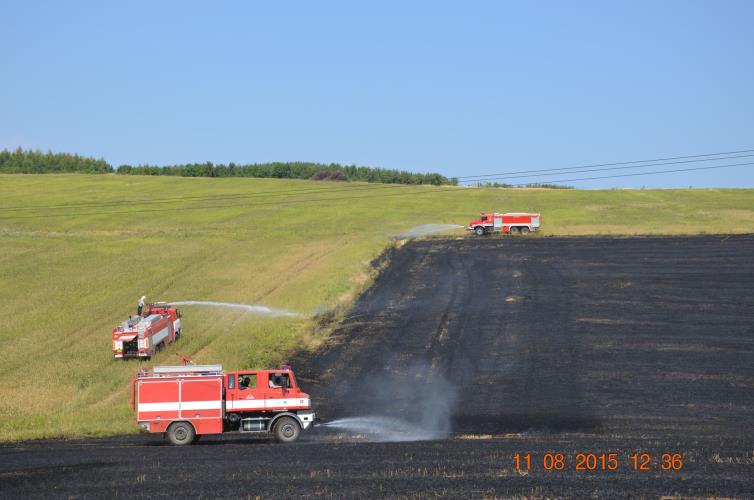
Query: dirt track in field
[[539, 345]]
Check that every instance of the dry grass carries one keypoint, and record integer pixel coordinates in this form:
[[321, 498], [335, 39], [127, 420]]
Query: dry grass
[[68, 275]]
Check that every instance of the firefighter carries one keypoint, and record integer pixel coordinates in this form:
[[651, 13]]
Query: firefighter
[[140, 305]]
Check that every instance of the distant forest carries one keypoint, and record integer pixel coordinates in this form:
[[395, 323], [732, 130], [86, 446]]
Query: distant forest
[[542, 185], [37, 162], [292, 170], [22, 161]]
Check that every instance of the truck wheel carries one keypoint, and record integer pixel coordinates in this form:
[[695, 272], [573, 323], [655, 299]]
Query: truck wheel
[[180, 433], [514, 230], [524, 230], [479, 230], [286, 430]]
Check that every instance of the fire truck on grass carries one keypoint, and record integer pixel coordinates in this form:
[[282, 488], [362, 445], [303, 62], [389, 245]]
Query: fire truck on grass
[[142, 336], [186, 402], [511, 223]]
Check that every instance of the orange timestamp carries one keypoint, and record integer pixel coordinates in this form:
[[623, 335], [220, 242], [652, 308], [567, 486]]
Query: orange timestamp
[[592, 462]]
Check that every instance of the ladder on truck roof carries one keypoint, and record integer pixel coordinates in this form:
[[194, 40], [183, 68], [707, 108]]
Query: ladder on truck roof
[[188, 369]]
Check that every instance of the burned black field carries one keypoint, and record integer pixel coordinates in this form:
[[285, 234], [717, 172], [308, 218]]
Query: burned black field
[[492, 347]]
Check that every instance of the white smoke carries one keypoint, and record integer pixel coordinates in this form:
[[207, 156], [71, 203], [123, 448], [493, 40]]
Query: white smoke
[[250, 308], [403, 403], [427, 229]]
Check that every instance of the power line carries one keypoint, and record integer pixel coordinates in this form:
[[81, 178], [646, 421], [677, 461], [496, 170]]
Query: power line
[[341, 198], [239, 196], [425, 189], [609, 164], [609, 168], [645, 173]]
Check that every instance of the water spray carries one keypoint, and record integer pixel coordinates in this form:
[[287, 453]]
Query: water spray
[[383, 429], [249, 308]]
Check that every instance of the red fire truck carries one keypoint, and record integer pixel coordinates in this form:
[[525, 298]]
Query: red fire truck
[[186, 402], [142, 336], [511, 223]]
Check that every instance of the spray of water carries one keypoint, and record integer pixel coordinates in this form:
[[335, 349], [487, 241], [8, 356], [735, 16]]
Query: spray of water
[[384, 429], [398, 401], [427, 229], [249, 308]]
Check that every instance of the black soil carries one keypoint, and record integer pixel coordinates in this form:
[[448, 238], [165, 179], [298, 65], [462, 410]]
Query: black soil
[[556, 345]]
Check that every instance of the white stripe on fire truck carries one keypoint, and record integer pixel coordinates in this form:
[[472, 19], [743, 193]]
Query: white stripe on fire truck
[[244, 404], [216, 404], [185, 405]]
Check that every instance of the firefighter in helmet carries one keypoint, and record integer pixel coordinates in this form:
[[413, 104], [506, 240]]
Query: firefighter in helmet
[[140, 305]]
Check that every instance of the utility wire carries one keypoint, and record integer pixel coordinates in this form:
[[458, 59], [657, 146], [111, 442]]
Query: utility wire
[[644, 173], [239, 196], [608, 164], [341, 198], [609, 168]]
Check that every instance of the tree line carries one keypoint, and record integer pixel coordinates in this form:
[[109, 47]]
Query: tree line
[[543, 185], [30, 161], [291, 170], [20, 161]]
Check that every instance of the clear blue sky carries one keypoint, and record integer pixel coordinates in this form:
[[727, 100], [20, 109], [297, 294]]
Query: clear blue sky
[[462, 88]]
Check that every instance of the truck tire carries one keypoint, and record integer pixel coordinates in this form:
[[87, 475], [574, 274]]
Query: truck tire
[[514, 230], [286, 430], [180, 433], [479, 230], [524, 230]]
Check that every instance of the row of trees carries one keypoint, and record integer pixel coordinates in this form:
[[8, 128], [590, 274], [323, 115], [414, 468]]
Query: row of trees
[[544, 185], [22, 161], [289, 170], [36, 162]]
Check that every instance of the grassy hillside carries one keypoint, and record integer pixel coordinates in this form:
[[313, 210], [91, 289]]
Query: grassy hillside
[[68, 274]]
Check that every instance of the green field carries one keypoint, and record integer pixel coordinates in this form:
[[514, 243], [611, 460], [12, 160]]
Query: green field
[[78, 250]]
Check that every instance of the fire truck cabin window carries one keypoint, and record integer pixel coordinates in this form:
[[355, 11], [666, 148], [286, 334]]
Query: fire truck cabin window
[[247, 381], [231, 381], [278, 380]]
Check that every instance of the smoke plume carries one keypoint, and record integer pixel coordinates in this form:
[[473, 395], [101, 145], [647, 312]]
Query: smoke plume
[[427, 229]]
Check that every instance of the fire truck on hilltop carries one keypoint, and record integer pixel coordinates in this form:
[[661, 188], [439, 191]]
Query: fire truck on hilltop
[[511, 223], [142, 336], [186, 402]]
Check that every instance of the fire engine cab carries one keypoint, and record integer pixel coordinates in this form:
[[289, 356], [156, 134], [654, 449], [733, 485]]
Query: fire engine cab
[[186, 402], [511, 223]]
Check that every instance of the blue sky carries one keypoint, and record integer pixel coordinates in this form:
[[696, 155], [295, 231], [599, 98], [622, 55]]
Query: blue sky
[[462, 88]]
